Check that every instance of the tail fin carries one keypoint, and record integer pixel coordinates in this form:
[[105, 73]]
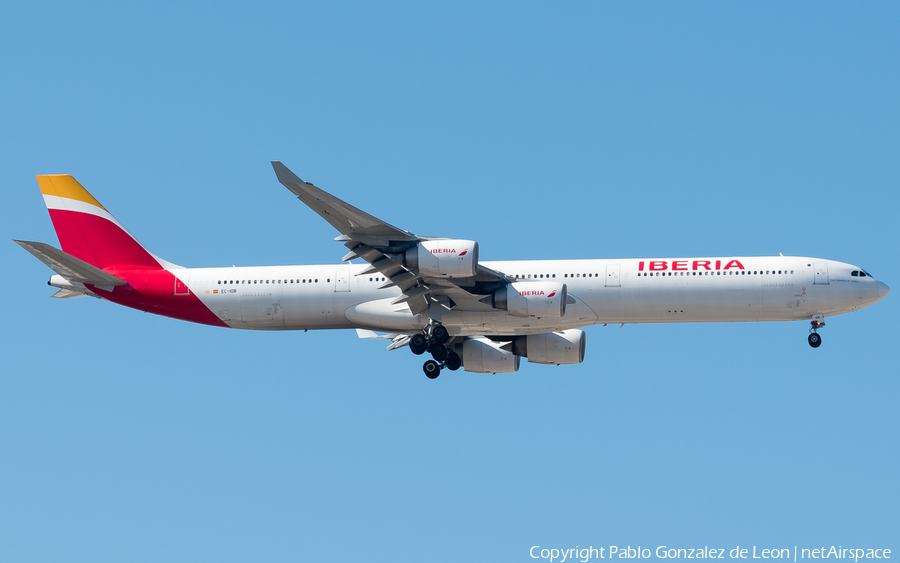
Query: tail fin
[[87, 230]]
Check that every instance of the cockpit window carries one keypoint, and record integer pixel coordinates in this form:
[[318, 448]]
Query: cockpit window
[[865, 273], [860, 274], [854, 274]]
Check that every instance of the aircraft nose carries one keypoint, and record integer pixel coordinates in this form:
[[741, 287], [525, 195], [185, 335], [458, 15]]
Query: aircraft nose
[[883, 290]]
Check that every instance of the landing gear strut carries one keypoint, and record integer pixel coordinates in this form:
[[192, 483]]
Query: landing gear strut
[[433, 339], [815, 340]]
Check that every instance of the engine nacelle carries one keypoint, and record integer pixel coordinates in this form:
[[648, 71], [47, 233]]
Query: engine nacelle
[[481, 355], [532, 299], [552, 348], [444, 258]]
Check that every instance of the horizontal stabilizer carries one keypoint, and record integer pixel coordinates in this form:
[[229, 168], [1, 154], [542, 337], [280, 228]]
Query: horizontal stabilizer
[[71, 268], [69, 294]]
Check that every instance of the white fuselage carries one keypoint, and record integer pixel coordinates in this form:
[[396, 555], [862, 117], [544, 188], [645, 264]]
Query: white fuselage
[[780, 288]]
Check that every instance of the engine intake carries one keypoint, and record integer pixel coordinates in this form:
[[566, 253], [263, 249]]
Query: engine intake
[[532, 299], [446, 258]]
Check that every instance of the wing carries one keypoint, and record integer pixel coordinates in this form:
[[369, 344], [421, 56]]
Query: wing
[[383, 246], [347, 219]]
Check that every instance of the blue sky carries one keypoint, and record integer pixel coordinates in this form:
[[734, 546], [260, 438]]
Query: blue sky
[[586, 130]]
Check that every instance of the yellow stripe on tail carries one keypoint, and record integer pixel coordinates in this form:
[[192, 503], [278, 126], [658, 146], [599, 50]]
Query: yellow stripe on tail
[[63, 185]]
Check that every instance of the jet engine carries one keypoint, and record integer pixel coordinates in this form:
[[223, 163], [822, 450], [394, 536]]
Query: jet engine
[[444, 258], [481, 355], [532, 299], [551, 348]]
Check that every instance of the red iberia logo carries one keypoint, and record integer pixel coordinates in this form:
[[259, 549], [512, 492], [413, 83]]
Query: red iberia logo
[[464, 252], [552, 293]]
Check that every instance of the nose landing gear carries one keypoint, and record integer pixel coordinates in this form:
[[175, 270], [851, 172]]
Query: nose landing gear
[[815, 340]]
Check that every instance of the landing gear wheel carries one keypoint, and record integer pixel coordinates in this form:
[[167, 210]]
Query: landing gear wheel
[[439, 352], [439, 334], [815, 340], [454, 362], [418, 344], [432, 369]]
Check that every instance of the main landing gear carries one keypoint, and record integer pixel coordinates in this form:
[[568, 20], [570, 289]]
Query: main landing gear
[[434, 339], [814, 339]]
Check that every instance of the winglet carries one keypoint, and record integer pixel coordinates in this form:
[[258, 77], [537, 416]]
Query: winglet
[[284, 174]]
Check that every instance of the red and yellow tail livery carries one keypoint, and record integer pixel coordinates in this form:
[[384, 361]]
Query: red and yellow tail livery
[[87, 230]]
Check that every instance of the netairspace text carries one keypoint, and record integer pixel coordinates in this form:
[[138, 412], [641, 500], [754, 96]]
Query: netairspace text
[[795, 553]]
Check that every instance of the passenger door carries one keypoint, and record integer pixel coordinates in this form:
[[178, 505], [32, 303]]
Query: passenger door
[[342, 280], [821, 272], [612, 275]]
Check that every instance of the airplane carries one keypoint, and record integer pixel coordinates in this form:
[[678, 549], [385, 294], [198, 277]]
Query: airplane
[[434, 295]]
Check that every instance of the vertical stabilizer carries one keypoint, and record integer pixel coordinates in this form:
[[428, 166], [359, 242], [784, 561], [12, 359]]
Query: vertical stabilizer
[[87, 230]]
